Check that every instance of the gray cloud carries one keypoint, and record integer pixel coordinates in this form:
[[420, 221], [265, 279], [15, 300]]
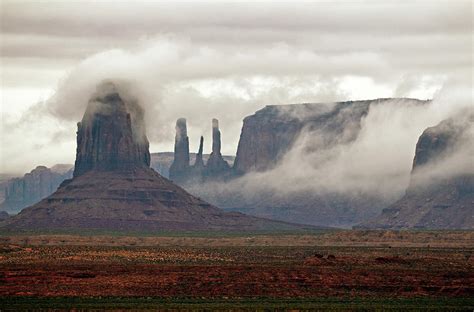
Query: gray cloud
[[339, 16]]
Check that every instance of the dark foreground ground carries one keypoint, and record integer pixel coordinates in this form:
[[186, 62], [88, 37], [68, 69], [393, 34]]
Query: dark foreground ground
[[336, 270]]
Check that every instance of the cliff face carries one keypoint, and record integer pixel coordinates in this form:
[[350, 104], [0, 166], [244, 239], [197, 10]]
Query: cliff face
[[32, 187], [271, 132], [436, 199], [113, 188], [265, 137], [436, 141]]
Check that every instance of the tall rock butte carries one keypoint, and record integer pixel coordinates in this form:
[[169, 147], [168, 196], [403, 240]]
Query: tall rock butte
[[113, 187], [179, 169], [111, 135]]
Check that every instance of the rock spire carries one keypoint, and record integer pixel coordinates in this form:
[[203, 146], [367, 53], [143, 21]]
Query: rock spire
[[180, 167], [199, 162], [216, 165]]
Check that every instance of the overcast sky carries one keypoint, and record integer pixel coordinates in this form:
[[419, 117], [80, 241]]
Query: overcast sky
[[204, 60]]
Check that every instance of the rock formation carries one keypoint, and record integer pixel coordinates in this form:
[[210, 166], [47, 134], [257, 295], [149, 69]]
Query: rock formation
[[113, 187], [199, 167], [265, 139], [435, 197], [179, 170], [162, 161], [105, 138], [199, 162], [271, 132], [216, 166], [33, 186]]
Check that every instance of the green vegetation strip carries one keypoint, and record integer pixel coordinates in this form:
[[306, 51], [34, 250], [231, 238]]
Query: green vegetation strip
[[323, 304]]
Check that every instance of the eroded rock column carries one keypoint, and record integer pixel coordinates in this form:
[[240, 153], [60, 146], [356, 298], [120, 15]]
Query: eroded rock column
[[180, 166]]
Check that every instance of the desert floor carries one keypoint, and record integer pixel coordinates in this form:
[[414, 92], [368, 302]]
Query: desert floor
[[325, 270]]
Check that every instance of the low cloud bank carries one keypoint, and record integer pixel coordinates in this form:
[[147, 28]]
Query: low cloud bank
[[376, 164]]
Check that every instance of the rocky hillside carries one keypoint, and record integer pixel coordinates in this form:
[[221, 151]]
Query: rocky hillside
[[114, 188], [33, 186], [437, 198]]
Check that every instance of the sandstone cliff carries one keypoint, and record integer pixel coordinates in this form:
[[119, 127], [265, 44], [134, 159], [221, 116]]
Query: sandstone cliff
[[113, 187], [271, 132], [33, 186], [439, 196], [105, 138]]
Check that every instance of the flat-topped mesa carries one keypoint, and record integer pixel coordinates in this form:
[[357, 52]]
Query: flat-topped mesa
[[111, 135], [180, 167], [270, 133], [216, 165]]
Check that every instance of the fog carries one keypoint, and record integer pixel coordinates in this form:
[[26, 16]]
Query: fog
[[376, 164], [457, 160]]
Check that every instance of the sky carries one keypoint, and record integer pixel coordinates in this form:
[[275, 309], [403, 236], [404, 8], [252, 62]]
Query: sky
[[225, 60]]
